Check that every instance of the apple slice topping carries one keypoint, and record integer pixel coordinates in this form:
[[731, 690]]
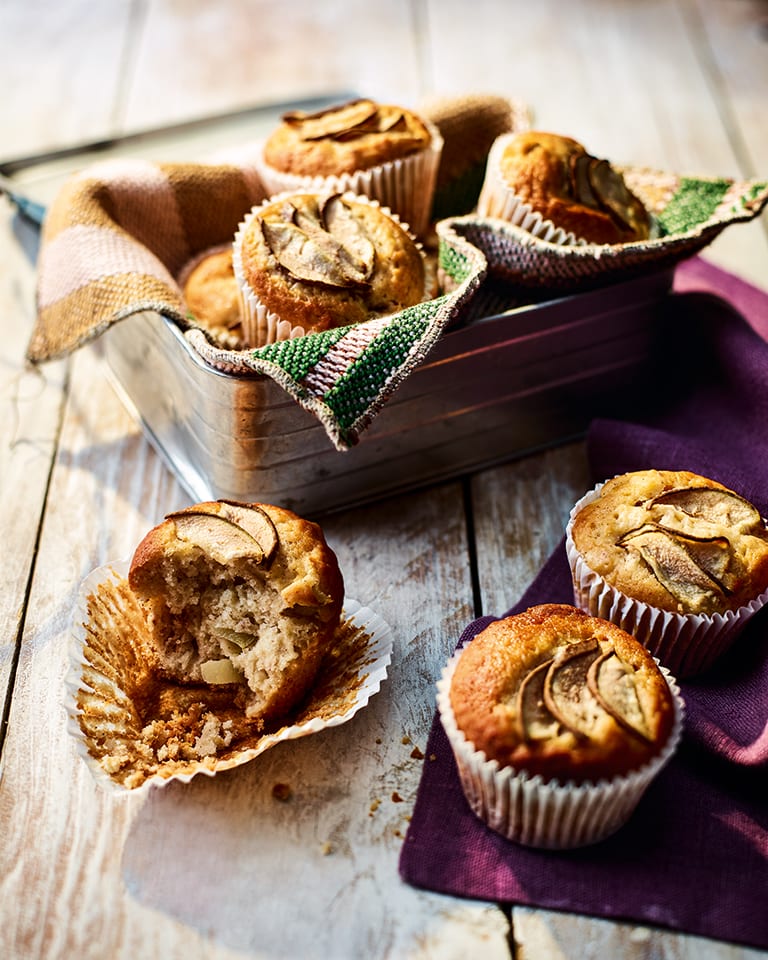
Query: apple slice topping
[[232, 532], [333, 121], [574, 689], [257, 523], [321, 244], [534, 719], [348, 121], [613, 684], [710, 503], [689, 569], [567, 695]]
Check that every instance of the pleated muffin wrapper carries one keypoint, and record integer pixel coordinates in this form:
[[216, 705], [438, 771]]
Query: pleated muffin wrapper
[[406, 185], [261, 325], [548, 814], [688, 644], [135, 730], [498, 200]]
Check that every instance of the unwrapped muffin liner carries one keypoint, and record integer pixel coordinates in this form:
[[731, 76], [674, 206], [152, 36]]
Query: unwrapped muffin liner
[[406, 185], [550, 814], [261, 326], [125, 736], [687, 644]]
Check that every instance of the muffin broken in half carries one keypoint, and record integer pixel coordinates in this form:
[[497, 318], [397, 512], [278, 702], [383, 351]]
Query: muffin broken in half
[[241, 594]]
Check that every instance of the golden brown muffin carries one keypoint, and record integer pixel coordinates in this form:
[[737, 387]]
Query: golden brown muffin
[[577, 192], [674, 540], [555, 692], [211, 292], [318, 261], [341, 139], [248, 594]]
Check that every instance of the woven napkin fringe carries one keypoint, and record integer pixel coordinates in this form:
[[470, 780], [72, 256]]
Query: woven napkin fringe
[[119, 233], [690, 212]]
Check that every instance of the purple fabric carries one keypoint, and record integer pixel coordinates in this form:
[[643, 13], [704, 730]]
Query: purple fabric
[[694, 856]]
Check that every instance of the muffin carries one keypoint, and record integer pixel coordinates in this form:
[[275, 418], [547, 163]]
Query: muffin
[[552, 187], [308, 262], [558, 722], [247, 595], [382, 151], [675, 558], [212, 296]]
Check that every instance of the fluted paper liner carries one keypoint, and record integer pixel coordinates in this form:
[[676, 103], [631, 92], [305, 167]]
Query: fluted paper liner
[[406, 185], [686, 643], [550, 814], [498, 200], [135, 730]]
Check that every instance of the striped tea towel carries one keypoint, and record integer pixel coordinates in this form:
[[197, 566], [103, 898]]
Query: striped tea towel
[[117, 236]]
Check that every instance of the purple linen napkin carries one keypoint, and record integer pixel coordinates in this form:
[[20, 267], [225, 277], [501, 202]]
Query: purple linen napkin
[[694, 856]]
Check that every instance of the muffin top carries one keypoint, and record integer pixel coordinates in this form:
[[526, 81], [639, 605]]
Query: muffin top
[[220, 539], [325, 261], [576, 191], [675, 540], [555, 692], [342, 139]]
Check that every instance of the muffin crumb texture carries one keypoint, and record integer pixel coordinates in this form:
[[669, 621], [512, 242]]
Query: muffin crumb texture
[[244, 596]]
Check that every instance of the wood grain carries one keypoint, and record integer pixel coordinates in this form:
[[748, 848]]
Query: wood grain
[[222, 869]]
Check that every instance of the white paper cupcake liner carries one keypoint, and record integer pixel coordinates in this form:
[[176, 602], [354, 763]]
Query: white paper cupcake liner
[[498, 200], [117, 737], [551, 814], [687, 644], [406, 185], [260, 325]]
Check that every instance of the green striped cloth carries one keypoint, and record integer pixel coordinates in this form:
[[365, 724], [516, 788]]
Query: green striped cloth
[[118, 234]]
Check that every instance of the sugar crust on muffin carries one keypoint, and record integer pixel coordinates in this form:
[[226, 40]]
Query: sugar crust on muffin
[[674, 540], [555, 692]]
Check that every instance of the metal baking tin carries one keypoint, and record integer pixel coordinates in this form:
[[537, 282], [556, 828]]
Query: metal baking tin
[[498, 387]]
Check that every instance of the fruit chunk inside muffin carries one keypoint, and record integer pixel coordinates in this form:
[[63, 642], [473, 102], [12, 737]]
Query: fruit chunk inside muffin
[[241, 594]]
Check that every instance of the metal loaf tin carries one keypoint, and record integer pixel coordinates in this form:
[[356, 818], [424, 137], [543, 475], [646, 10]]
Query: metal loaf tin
[[497, 387]]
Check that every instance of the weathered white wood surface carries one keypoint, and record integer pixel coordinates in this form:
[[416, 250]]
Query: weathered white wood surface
[[220, 869]]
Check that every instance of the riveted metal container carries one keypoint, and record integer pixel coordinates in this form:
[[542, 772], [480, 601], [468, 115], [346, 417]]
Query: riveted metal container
[[497, 387]]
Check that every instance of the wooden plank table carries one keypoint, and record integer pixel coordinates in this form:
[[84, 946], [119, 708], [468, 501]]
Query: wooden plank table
[[220, 868]]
